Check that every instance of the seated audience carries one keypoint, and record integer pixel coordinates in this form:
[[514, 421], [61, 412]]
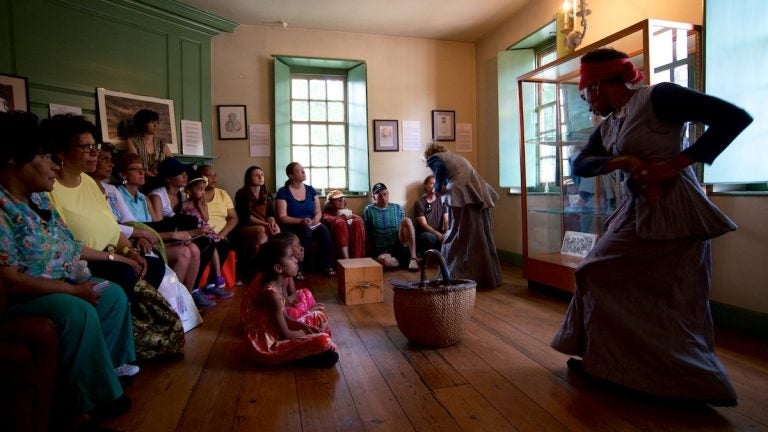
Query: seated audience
[[37, 253], [196, 206], [222, 217], [255, 208], [274, 338], [346, 228], [183, 255], [431, 218], [83, 208], [392, 240], [166, 203], [144, 239], [298, 211]]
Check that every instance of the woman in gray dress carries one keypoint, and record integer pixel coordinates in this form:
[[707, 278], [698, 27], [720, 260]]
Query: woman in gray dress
[[640, 315], [468, 245]]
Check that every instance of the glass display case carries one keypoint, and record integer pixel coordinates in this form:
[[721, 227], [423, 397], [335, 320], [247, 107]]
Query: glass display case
[[556, 123]]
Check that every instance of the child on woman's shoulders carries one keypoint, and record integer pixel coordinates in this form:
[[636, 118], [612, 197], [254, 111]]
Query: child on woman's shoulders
[[276, 336]]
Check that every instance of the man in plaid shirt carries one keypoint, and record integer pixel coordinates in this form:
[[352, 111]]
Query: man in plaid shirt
[[392, 239]]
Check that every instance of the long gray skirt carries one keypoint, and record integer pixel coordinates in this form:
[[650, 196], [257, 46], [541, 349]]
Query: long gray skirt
[[640, 317], [469, 248]]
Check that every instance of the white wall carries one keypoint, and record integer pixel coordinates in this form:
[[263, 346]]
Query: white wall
[[407, 78]]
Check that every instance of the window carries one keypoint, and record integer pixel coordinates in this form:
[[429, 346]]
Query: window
[[513, 62], [319, 129], [735, 62], [545, 120], [321, 121]]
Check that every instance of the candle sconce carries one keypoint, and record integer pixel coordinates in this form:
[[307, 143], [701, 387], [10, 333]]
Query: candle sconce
[[573, 9]]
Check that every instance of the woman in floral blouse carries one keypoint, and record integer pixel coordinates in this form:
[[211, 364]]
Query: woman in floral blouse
[[37, 253]]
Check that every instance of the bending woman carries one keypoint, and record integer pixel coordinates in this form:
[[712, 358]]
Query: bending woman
[[468, 246], [640, 315]]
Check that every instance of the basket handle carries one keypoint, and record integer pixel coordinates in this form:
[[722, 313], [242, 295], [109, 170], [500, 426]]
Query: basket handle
[[443, 266]]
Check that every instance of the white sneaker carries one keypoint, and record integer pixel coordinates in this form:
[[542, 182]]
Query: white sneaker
[[413, 265], [127, 370]]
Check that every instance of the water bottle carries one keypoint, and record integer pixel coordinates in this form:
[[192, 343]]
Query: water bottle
[[80, 272]]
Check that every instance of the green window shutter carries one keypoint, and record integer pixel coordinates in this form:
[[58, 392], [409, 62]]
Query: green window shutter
[[357, 167], [511, 64], [282, 121]]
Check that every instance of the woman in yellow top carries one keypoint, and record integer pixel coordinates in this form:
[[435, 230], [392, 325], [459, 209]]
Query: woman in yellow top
[[85, 210], [222, 217]]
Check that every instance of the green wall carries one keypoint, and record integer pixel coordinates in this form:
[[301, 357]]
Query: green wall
[[68, 48]]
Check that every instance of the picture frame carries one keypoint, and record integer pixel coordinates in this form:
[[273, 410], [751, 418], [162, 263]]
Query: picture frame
[[116, 111], [233, 122], [386, 136], [578, 243], [443, 125], [14, 93]]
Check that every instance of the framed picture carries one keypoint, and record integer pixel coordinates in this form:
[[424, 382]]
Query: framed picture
[[233, 124], [14, 95], [578, 243], [443, 125], [116, 110], [385, 135]]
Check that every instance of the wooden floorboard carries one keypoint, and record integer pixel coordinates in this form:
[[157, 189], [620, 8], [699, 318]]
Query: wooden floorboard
[[502, 376]]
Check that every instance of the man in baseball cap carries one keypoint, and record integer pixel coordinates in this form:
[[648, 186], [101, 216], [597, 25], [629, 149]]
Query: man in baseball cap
[[392, 235]]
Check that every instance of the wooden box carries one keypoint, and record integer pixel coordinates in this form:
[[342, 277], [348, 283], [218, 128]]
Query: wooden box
[[361, 280]]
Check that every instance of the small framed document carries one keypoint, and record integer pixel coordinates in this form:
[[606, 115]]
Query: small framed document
[[578, 243]]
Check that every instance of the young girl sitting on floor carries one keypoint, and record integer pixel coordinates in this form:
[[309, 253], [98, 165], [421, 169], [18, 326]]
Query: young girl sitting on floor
[[196, 206], [298, 302], [275, 337]]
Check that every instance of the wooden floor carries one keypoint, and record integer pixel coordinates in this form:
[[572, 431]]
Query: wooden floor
[[502, 376]]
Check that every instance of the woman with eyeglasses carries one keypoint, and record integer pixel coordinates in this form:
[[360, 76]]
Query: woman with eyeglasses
[[37, 253], [83, 208], [468, 245], [431, 218], [183, 255], [640, 317], [347, 229]]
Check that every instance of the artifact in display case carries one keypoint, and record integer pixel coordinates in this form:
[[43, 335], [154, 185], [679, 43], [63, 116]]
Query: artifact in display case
[[556, 124]]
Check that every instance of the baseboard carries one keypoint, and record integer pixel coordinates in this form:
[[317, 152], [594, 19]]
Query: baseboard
[[508, 257], [743, 320]]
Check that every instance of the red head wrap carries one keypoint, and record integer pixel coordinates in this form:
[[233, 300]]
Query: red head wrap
[[620, 67]]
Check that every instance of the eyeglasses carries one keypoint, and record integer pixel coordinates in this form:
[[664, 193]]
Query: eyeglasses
[[141, 170], [89, 148], [428, 208]]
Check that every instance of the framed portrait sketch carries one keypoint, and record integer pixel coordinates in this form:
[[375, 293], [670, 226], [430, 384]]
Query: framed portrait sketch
[[578, 243], [385, 136], [14, 95], [233, 124], [116, 110], [443, 125]]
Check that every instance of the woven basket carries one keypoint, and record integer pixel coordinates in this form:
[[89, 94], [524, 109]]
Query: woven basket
[[433, 313]]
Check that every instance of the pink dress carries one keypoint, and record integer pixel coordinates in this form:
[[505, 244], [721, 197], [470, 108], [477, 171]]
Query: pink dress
[[263, 332]]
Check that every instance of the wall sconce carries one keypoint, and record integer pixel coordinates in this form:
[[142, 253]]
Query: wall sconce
[[573, 9]]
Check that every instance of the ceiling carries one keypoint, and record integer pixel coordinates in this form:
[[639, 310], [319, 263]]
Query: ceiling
[[453, 20]]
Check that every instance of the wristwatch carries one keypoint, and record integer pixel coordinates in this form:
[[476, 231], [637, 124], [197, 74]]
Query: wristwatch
[[110, 249]]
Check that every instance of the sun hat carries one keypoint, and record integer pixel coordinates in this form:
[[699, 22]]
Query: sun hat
[[334, 194]]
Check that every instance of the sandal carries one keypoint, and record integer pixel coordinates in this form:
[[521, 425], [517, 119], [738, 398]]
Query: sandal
[[330, 271], [299, 276]]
